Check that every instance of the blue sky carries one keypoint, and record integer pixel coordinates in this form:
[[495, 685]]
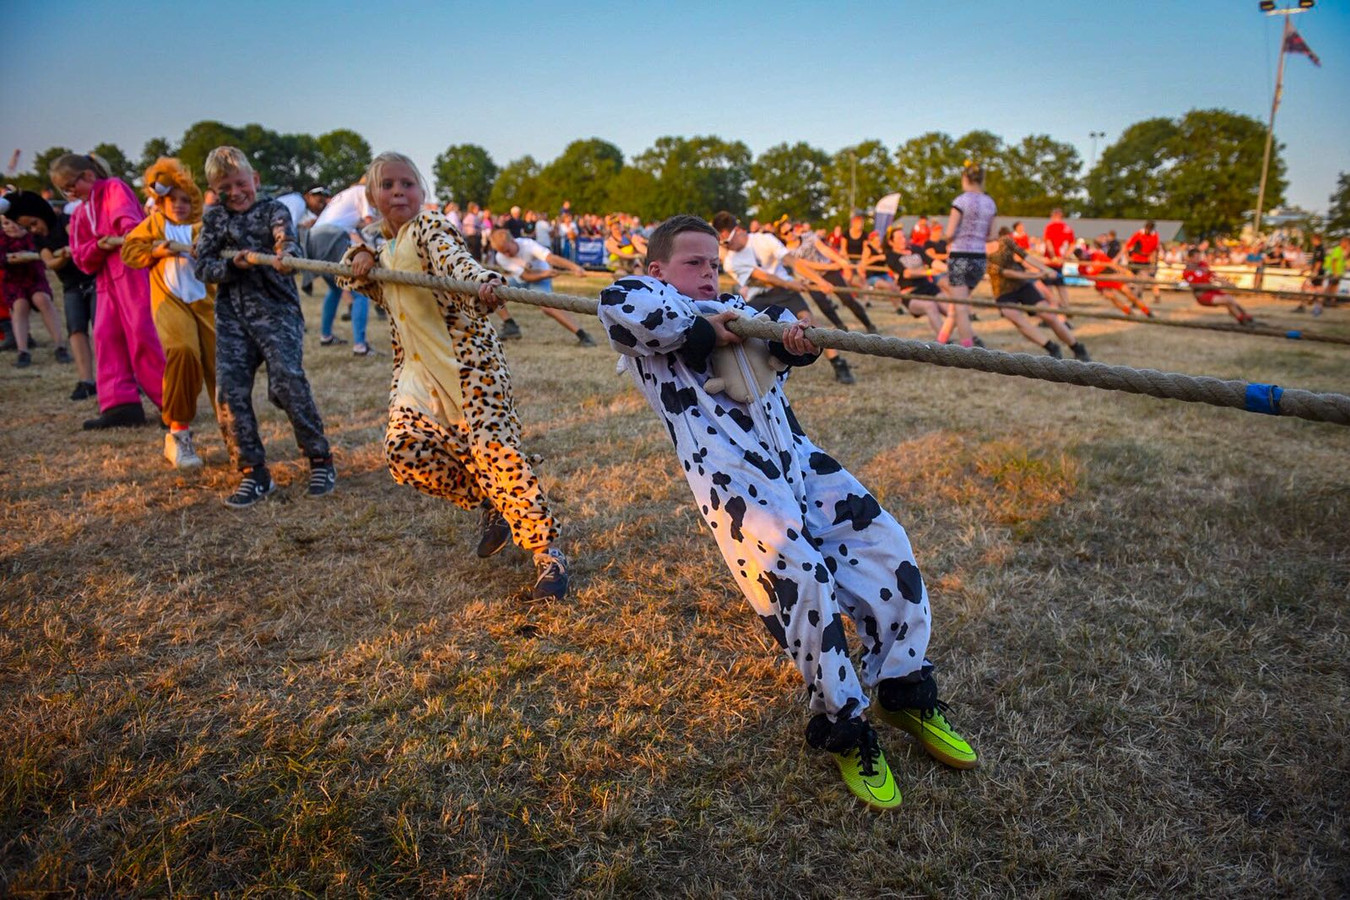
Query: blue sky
[[529, 77]]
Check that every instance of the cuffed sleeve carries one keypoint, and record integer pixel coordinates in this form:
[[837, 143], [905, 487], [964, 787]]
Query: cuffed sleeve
[[644, 316], [210, 265], [138, 245]]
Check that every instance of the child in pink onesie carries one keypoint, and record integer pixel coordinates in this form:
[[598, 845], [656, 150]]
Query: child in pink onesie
[[126, 346]]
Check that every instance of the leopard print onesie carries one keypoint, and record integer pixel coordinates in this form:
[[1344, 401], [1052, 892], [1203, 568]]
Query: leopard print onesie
[[453, 431]]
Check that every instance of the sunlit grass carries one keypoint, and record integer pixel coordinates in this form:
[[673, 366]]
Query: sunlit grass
[[1140, 620]]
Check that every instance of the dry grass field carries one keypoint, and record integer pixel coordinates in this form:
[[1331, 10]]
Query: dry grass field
[[1141, 614]]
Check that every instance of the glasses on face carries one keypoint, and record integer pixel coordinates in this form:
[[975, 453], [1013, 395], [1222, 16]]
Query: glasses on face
[[726, 241]]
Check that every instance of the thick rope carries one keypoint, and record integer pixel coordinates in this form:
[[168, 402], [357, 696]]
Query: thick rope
[[1261, 398], [1257, 330]]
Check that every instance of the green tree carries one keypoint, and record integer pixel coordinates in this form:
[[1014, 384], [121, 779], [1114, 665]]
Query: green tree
[[117, 161], [200, 139], [153, 150], [516, 185], [634, 191], [925, 167], [465, 173], [698, 175], [987, 150], [1338, 214], [1213, 181], [1130, 180], [869, 164], [38, 180], [582, 174], [1039, 174], [789, 179], [343, 156]]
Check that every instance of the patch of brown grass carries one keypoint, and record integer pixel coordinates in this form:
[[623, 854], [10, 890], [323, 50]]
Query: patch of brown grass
[[1140, 618]]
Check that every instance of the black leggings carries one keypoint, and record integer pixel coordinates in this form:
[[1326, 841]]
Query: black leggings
[[847, 298]]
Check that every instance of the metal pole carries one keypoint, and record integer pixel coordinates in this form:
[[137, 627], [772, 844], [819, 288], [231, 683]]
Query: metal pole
[[1270, 131], [853, 183]]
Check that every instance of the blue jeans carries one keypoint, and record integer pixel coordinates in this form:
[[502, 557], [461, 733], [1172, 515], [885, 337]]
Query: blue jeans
[[360, 312]]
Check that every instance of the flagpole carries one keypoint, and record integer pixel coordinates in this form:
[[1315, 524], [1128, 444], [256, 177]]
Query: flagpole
[[1270, 131]]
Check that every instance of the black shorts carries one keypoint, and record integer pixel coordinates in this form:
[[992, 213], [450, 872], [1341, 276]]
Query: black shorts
[[966, 269], [1023, 295], [79, 304], [789, 300]]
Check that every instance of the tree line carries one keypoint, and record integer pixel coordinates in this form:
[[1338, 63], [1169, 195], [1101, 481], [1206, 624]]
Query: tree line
[[1202, 168]]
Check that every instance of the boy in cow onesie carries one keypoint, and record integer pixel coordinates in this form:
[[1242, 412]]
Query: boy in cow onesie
[[805, 541]]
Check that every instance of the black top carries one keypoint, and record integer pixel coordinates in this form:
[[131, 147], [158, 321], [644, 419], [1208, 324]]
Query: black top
[[70, 274]]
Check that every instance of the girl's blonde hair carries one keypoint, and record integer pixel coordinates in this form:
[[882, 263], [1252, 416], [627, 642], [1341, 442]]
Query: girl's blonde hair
[[72, 164], [372, 178], [224, 161], [973, 172]]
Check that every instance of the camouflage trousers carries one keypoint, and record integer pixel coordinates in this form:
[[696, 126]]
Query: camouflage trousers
[[251, 331]]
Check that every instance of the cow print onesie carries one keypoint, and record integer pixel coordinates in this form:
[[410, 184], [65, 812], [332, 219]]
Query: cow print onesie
[[804, 539]]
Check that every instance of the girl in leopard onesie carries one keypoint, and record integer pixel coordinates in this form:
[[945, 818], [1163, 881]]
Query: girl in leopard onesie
[[453, 430]]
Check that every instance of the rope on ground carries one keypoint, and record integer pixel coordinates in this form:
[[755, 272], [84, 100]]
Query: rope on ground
[[1292, 335], [1252, 397]]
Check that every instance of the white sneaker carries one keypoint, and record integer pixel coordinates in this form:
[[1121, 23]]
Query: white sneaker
[[178, 450]]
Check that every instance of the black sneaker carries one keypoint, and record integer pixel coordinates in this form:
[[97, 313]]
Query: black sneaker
[[63, 356], [322, 477], [83, 390], [1080, 352], [493, 532], [254, 488], [584, 339], [24, 361], [123, 415], [551, 567], [510, 331], [1053, 349], [978, 343], [842, 373]]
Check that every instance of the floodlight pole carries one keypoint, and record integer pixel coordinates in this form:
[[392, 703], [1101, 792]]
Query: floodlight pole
[[1270, 130]]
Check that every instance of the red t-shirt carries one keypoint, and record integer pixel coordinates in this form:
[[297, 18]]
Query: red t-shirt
[[919, 234], [1058, 239], [1141, 246], [1100, 257], [1022, 240], [1200, 274]]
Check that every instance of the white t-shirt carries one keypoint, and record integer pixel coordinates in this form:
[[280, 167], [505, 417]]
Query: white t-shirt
[[530, 255], [761, 251], [348, 209], [543, 232], [295, 203]]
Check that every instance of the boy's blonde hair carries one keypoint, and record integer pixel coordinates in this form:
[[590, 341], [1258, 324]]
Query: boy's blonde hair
[[224, 161], [372, 178], [72, 164]]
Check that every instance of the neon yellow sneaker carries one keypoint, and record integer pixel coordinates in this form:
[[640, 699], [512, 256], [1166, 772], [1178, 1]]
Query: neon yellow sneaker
[[933, 732], [854, 746]]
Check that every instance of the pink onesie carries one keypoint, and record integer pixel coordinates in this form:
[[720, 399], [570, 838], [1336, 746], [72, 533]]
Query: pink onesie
[[126, 345]]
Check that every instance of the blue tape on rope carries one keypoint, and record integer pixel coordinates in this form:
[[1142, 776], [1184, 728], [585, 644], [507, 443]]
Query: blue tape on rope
[[1293, 335], [1264, 398]]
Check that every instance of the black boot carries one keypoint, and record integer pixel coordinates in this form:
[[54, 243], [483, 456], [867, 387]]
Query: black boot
[[123, 415], [842, 373]]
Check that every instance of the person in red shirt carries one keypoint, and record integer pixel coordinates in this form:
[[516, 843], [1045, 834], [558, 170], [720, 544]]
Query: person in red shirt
[[1058, 237], [1142, 250], [1117, 292], [1020, 236], [1200, 276], [919, 234]]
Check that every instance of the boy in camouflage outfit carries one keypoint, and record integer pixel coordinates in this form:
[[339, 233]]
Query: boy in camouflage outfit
[[258, 320]]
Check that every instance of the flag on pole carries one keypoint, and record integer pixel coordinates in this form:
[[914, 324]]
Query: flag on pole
[[885, 212], [14, 162], [1295, 43]]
